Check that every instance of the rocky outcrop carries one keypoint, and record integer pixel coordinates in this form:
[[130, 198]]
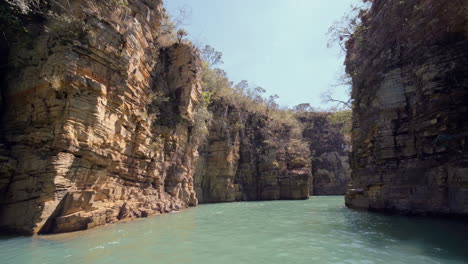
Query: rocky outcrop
[[329, 146], [409, 63], [248, 157], [96, 118], [101, 121]]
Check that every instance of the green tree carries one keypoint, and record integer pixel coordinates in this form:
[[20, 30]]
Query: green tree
[[344, 119]]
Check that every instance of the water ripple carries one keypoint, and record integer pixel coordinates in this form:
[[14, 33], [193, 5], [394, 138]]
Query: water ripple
[[319, 230]]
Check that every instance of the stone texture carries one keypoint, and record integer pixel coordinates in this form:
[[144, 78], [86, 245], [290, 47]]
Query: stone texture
[[98, 110], [81, 142], [247, 158], [330, 148], [409, 67]]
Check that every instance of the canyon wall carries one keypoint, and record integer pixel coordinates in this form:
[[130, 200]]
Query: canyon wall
[[103, 118], [409, 63], [85, 137], [330, 147], [245, 158], [248, 157]]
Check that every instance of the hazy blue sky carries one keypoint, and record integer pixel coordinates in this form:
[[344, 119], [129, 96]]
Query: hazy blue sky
[[280, 45]]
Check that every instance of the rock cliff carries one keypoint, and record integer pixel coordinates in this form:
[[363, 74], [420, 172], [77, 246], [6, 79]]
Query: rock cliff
[[106, 116], [409, 62], [87, 136], [248, 156], [103, 117], [330, 147]]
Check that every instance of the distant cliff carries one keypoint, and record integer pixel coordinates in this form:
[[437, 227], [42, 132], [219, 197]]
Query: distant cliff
[[329, 142], [409, 64], [250, 156]]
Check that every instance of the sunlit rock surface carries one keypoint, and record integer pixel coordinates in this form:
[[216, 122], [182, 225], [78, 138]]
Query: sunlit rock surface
[[98, 105], [81, 142]]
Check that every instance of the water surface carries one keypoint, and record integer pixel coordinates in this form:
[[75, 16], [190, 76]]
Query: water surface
[[319, 230]]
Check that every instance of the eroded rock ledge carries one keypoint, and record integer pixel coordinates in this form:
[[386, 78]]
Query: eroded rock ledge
[[409, 64]]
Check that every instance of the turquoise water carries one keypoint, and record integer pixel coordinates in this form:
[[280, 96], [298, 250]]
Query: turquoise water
[[319, 230]]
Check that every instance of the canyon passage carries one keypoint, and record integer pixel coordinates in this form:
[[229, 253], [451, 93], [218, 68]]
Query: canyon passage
[[308, 231], [111, 112]]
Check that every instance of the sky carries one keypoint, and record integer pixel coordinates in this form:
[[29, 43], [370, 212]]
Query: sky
[[279, 45]]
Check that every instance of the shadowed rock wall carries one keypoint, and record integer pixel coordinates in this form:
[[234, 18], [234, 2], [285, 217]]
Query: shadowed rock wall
[[329, 147], [409, 64], [247, 158]]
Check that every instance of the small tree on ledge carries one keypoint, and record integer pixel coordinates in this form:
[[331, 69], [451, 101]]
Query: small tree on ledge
[[181, 33]]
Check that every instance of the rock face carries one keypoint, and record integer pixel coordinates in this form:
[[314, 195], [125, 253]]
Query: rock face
[[85, 137], [329, 147], [409, 63], [98, 123], [248, 157]]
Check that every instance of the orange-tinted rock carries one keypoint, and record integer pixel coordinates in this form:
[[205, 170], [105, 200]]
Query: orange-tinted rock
[[81, 142]]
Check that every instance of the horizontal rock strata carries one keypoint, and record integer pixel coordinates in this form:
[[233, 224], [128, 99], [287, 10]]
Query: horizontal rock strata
[[409, 64], [100, 122], [248, 157], [329, 147], [82, 142]]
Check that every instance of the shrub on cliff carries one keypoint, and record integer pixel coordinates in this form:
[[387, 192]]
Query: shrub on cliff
[[181, 34], [344, 119], [211, 56], [202, 119], [281, 129], [171, 30], [24, 6], [13, 15], [342, 30], [240, 95], [55, 17]]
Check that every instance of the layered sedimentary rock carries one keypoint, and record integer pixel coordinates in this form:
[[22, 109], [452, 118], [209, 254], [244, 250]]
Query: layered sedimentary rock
[[329, 147], [85, 137], [249, 157], [409, 64], [101, 121]]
